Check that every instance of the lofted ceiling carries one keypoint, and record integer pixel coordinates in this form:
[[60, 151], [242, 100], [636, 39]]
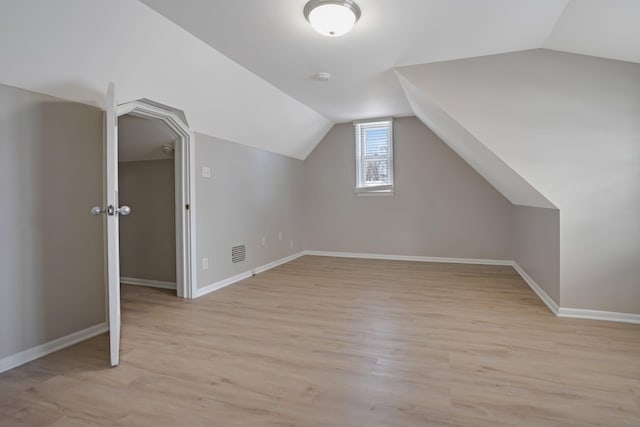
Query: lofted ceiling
[[73, 48], [273, 40], [608, 29], [242, 70]]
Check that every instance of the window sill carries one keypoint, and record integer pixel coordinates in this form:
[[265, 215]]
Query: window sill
[[380, 193]]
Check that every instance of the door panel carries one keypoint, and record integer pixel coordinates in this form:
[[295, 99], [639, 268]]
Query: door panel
[[113, 248]]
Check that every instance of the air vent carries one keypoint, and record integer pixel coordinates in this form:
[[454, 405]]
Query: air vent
[[238, 254]]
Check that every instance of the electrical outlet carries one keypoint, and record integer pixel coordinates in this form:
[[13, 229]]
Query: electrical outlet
[[264, 241], [206, 172], [291, 244], [205, 263], [279, 235]]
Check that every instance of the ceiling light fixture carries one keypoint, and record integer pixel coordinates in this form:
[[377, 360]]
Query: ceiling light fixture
[[332, 18], [168, 150]]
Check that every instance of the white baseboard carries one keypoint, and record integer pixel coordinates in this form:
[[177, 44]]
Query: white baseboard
[[537, 289], [575, 313], [149, 283], [546, 299], [410, 258], [278, 262], [25, 356], [610, 316], [244, 275]]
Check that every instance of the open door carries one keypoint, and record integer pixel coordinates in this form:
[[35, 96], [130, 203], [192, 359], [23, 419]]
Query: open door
[[113, 244], [112, 212]]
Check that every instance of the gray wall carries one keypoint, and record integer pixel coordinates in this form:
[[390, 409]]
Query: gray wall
[[441, 207], [51, 248], [148, 234], [570, 126], [251, 193], [536, 246]]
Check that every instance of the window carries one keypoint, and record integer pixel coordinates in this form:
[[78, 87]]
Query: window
[[374, 156]]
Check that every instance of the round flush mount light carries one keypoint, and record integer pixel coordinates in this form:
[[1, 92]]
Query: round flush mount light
[[168, 150], [332, 18]]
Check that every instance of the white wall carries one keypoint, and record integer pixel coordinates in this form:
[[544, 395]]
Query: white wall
[[569, 125], [251, 194], [51, 248], [536, 246], [441, 206], [148, 234]]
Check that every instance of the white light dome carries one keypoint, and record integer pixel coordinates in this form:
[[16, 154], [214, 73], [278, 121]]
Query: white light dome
[[332, 18]]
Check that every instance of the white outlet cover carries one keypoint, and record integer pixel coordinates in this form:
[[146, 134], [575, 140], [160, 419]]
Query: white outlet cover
[[206, 172], [280, 235], [205, 263], [264, 240], [291, 244]]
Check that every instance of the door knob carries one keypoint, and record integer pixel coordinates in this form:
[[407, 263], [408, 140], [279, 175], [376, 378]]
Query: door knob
[[97, 210], [124, 210]]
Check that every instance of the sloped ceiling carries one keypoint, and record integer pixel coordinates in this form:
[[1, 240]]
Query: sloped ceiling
[[73, 48], [608, 29], [539, 111], [273, 39], [479, 156], [267, 97]]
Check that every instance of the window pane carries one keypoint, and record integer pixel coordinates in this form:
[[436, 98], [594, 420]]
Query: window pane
[[375, 142], [376, 171]]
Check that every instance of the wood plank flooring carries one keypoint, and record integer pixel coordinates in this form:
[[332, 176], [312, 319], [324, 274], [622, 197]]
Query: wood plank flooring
[[341, 342]]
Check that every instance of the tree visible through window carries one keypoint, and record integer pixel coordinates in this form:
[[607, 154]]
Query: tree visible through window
[[374, 155]]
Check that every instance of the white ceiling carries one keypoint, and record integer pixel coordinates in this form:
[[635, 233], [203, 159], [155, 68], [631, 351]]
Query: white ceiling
[[609, 29], [267, 98], [142, 139], [273, 39], [72, 49]]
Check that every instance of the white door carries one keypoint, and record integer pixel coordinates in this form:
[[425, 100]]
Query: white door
[[113, 244], [112, 212]]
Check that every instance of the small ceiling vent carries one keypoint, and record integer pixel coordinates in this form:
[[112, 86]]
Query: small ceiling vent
[[238, 254]]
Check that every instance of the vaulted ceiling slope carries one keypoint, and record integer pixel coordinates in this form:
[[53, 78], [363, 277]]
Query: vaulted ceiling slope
[[568, 125], [608, 29], [72, 48], [273, 39]]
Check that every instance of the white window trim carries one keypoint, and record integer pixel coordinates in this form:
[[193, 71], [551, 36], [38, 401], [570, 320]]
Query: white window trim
[[378, 190]]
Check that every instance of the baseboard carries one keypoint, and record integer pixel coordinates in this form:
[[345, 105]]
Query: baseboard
[[546, 299], [410, 258], [610, 316], [278, 262], [537, 289], [26, 356], [244, 275], [575, 313], [222, 283], [149, 283]]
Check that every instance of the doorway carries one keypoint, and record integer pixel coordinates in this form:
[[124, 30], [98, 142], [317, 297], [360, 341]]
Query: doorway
[[168, 127], [185, 231], [146, 183]]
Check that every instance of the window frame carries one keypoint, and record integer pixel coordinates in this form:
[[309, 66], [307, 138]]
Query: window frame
[[360, 160]]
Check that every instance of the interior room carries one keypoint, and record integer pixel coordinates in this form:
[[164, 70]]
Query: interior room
[[146, 183], [320, 213]]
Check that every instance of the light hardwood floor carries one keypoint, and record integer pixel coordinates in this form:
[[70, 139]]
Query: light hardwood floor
[[341, 342]]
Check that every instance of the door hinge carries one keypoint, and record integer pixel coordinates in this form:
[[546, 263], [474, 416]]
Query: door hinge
[[186, 206]]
